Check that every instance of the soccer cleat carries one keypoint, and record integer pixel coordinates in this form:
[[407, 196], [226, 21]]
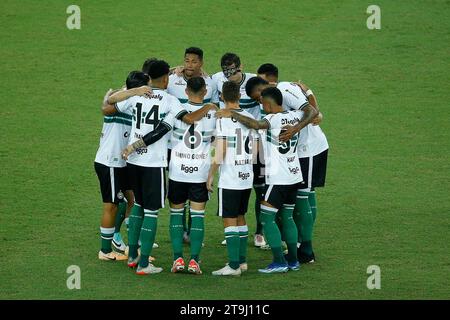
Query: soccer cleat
[[227, 271], [306, 258], [242, 266], [155, 245], [294, 266], [224, 242], [259, 240], [194, 267], [275, 268], [118, 243], [132, 263], [265, 247], [150, 269], [112, 256], [178, 265]]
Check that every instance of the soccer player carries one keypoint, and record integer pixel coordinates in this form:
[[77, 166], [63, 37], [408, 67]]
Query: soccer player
[[313, 153], [283, 174], [188, 172], [112, 175], [234, 157], [193, 63], [231, 71], [147, 157]]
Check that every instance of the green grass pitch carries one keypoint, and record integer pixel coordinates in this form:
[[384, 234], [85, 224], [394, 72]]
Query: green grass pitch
[[384, 94]]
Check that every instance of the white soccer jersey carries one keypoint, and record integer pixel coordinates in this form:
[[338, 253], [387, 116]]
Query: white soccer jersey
[[281, 159], [114, 138], [236, 171], [312, 140], [147, 114], [177, 87], [191, 145], [246, 103]]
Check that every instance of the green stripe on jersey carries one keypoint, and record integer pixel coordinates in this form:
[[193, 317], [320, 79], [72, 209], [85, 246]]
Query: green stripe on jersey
[[117, 120]]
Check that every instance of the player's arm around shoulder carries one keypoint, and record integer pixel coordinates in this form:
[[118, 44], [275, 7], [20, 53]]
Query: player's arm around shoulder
[[247, 121]]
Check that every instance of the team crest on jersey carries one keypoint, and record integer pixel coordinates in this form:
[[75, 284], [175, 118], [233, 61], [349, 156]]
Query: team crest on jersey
[[179, 83]]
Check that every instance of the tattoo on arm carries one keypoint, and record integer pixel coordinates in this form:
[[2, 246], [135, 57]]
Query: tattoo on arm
[[309, 112], [138, 144], [249, 122]]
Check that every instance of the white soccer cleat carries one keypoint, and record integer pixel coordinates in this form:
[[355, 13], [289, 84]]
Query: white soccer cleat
[[112, 256], [155, 245], [224, 242], [259, 240], [119, 246], [242, 266], [150, 269], [227, 271]]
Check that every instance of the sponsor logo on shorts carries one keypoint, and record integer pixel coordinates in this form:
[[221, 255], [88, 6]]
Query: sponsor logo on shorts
[[244, 175], [188, 169]]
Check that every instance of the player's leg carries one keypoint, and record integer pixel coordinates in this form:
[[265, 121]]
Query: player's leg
[[289, 231], [177, 196], [273, 199], [243, 228], [258, 186], [198, 196], [136, 214], [228, 210], [108, 179], [154, 191]]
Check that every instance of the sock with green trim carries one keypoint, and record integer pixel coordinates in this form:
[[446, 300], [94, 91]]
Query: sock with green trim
[[120, 216], [106, 235], [176, 232], [233, 245], [243, 237], [134, 229], [197, 233], [258, 197], [305, 221], [313, 203], [148, 233], [289, 231], [272, 233]]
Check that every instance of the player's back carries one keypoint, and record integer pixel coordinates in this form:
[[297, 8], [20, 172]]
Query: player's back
[[312, 140], [147, 114], [281, 159], [191, 145], [236, 171], [113, 139]]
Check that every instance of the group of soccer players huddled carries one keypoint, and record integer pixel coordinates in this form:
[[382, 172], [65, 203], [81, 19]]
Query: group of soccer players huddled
[[254, 131]]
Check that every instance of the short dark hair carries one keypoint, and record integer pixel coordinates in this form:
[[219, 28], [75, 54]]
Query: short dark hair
[[273, 93], [268, 69], [137, 79], [194, 50], [158, 69], [229, 58], [230, 91], [252, 83], [195, 84], [147, 63]]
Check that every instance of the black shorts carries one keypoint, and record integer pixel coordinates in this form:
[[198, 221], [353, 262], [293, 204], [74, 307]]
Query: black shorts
[[112, 182], [180, 192], [149, 186], [169, 154], [314, 170], [233, 203], [258, 173], [277, 195]]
